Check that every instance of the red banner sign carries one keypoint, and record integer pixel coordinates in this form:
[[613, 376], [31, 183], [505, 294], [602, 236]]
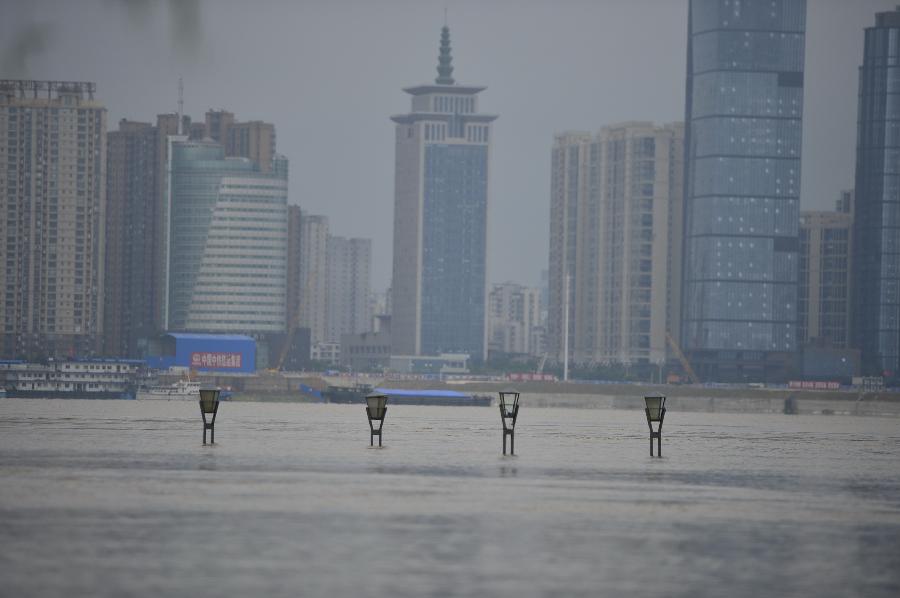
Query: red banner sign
[[230, 361], [529, 376], [814, 385]]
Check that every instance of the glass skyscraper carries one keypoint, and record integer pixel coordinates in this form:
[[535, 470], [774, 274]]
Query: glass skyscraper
[[440, 218], [227, 240], [876, 235], [742, 186]]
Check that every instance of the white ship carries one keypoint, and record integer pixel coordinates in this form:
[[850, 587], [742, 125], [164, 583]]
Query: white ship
[[75, 379], [179, 391]]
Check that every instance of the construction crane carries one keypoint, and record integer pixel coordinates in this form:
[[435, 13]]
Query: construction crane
[[288, 341], [541, 366], [685, 364]]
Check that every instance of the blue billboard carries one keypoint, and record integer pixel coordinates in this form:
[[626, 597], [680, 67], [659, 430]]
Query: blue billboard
[[221, 353]]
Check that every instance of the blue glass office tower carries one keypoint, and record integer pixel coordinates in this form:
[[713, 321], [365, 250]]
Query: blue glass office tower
[[440, 218], [876, 236], [742, 187]]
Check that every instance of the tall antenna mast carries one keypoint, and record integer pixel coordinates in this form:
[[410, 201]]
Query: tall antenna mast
[[180, 103]]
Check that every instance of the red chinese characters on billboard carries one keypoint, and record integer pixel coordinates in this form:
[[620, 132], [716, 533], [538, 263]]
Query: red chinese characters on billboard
[[216, 360], [529, 376], [814, 385]]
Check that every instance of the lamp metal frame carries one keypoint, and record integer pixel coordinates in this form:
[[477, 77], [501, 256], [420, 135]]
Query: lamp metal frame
[[211, 424], [656, 434], [508, 419], [373, 417]]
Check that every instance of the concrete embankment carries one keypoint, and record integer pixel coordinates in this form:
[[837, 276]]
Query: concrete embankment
[[276, 386], [848, 405], [699, 398]]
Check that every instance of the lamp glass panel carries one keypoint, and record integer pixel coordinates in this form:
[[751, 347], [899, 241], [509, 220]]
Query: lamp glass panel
[[208, 399], [377, 405], [655, 405]]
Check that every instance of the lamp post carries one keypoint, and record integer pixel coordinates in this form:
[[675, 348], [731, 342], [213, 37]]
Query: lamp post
[[376, 408], [509, 410], [656, 412], [209, 405]]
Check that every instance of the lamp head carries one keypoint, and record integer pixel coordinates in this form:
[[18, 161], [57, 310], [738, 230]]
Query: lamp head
[[655, 407], [377, 405], [208, 399], [509, 399]]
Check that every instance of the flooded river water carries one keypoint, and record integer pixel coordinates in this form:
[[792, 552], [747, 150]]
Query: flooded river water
[[120, 498]]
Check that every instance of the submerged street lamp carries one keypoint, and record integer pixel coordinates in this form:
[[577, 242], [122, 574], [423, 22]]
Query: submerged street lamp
[[376, 408], [509, 410], [209, 405], [656, 412]]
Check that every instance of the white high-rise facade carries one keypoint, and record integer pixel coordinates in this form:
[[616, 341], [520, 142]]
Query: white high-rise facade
[[227, 259]]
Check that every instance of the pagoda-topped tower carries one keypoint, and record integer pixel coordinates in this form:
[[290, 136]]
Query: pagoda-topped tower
[[440, 218]]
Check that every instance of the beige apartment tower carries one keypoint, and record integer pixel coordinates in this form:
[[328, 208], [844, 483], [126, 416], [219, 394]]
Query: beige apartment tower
[[514, 314], [52, 210], [313, 275], [826, 255], [348, 280], [253, 139], [615, 237]]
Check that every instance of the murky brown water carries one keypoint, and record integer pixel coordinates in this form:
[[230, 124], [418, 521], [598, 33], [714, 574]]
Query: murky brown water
[[117, 498]]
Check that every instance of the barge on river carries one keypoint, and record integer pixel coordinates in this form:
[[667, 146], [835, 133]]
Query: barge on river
[[397, 396]]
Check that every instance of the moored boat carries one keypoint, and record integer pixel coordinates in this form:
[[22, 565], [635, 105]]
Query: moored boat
[[70, 379], [178, 391]]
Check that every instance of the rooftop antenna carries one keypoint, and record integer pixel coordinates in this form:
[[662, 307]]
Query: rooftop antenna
[[445, 16], [180, 103]]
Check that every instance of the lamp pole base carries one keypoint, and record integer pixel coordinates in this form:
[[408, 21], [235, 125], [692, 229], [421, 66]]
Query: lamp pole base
[[212, 433], [512, 441], [658, 437]]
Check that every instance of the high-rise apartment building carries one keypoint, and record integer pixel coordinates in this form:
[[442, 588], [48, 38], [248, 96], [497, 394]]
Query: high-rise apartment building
[[227, 239], [253, 139], [294, 284], [440, 218], [514, 312], [349, 271], [615, 239], [217, 123], [52, 212], [314, 275], [744, 110], [876, 228], [825, 267], [130, 185], [135, 233]]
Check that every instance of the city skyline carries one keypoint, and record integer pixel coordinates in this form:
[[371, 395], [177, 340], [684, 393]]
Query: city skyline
[[336, 125], [317, 219]]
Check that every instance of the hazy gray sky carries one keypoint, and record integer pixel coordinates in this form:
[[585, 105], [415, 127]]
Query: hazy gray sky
[[329, 75]]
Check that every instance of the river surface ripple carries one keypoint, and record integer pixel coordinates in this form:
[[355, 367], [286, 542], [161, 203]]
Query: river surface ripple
[[120, 498]]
